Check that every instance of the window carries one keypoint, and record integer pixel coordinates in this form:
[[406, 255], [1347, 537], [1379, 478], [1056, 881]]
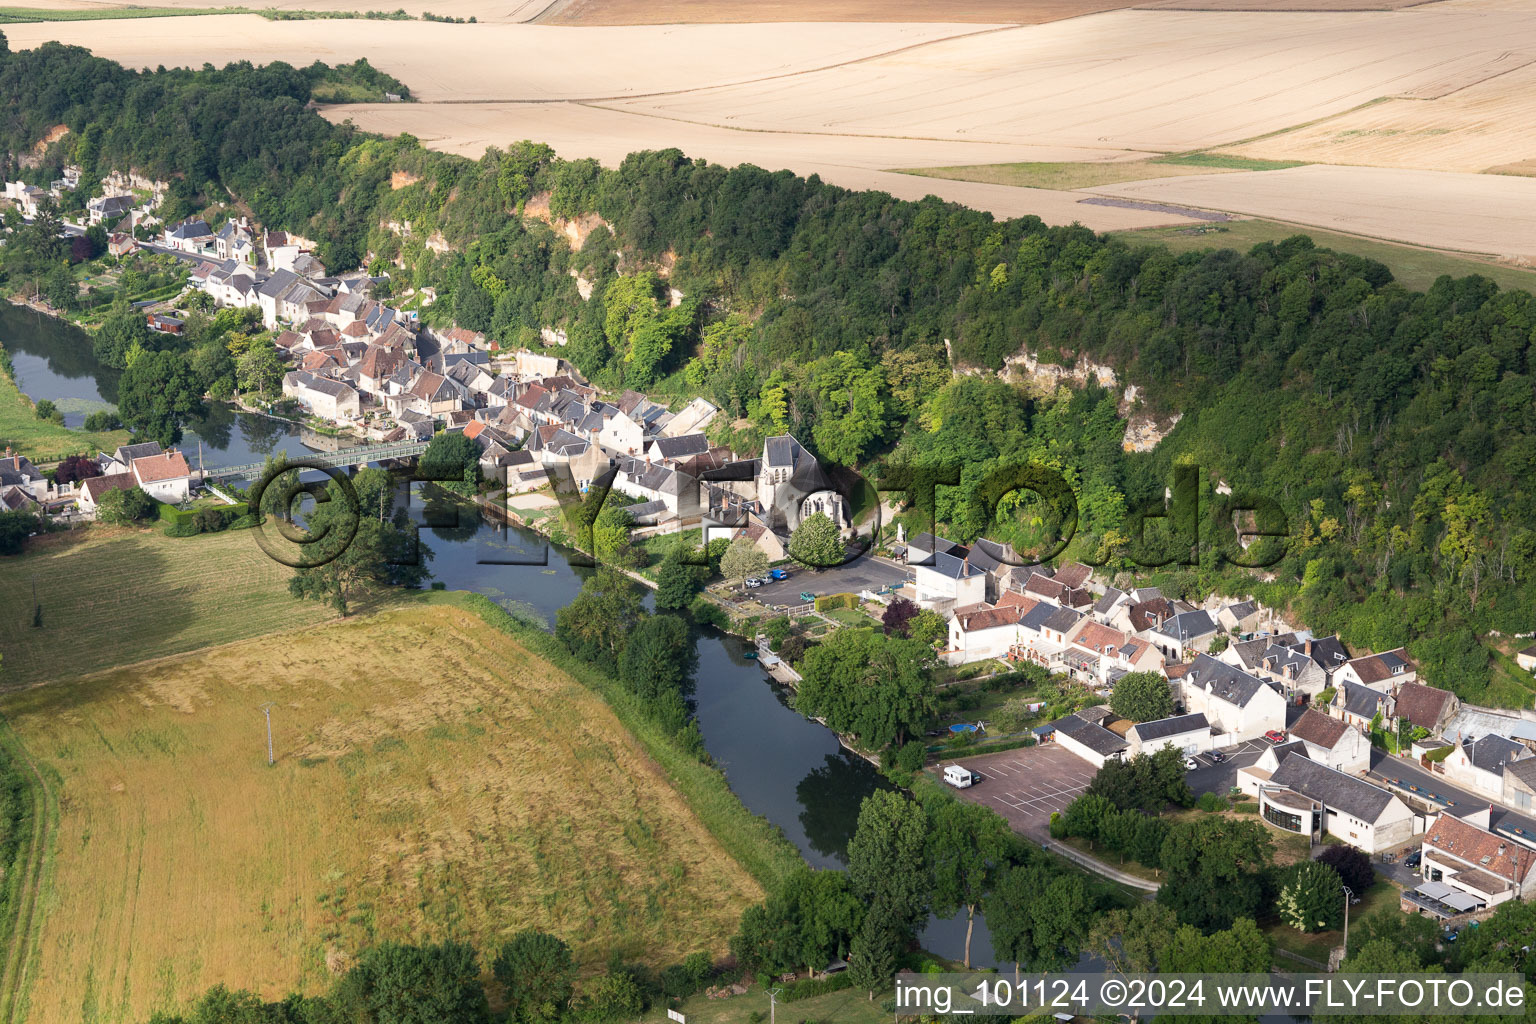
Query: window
[[1281, 818]]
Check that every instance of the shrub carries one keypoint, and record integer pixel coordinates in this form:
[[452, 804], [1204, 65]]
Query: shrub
[[1211, 803], [831, 601]]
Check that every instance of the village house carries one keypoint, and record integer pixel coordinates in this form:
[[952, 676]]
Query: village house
[[89, 494], [1520, 784], [1487, 866], [1087, 739], [18, 471], [1360, 705], [105, 208], [1188, 734], [980, 631], [122, 457], [1184, 634], [285, 296], [1526, 658], [120, 244], [1479, 764], [166, 477], [1238, 706], [1105, 654], [190, 236], [1308, 798], [322, 396], [1427, 707], [1332, 742], [1241, 617], [1378, 671], [26, 197]]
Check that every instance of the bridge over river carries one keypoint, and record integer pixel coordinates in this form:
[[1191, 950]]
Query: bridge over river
[[358, 456]]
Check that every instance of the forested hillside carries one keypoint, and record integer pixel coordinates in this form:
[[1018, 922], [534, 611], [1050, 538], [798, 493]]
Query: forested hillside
[[1395, 428]]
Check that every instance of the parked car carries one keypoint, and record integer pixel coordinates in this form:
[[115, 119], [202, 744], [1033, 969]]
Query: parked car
[[1450, 935], [806, 595], [778, 574], [1217, 757], [1191, 764], [1414, 859], [1275, 736], [752, 582]]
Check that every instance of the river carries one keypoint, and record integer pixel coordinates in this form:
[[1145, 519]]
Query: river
[[788, 769]]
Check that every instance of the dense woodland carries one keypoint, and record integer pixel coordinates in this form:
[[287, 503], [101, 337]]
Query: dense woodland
[[1395, 428]]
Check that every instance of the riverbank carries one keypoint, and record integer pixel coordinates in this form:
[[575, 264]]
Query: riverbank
[[41, 440]]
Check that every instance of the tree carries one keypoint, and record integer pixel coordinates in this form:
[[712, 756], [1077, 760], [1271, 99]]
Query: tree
[[379, 552], [1211, 864], [1039, 916], [119, 508], [898, 616], [967, 846], [46, 410], [657, 657], [1353, 866], [450, 457], [596, 625], [1132, 941], [157, 394], [399, 984], [676, 583], [876, 687], [886, 859], [15, 528], [610, 997], [874, 951], [122, 330], [928, 627], [74, 468], [1311, 897], [1085, 817], [258, 370], [742, 560], [1142, 697], [537, 977], [102, 420], [817, 542]]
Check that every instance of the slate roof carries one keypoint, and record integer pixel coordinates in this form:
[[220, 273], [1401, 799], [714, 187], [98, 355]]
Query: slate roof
[[1319, 729], [1362, 700], [1187, 626], [14, 467], [1334, 789], [1174, 726], [781, 451], [1329, 651], [1106, 604], [1095, 737], [1524, 770], [128, 452], [1250, 653], [1242, 609], [1491, 753], [1037, 616], [1227, 682], [682, 447], [1062, 620], [953, 567]]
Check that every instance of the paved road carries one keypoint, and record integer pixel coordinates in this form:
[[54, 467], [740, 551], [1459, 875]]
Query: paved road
[[868, 573], [1385, 769]]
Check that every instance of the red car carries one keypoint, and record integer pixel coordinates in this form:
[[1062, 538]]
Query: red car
[[1275, 736]]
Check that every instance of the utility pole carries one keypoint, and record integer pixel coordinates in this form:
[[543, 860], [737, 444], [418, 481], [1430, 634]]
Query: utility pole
[[773, 1005], [266, 709], [1347, 897]]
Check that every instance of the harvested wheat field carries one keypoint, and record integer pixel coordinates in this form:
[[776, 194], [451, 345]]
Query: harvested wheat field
[[462, 63], [1161, 81], [433, 780], [484, 11], [662, 12], [139, 594], [1465, 126], [1483, 213]]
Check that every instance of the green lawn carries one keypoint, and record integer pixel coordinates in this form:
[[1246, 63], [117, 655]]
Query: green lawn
[[116, 596], [21, 429], [1412, 266], [1317, 945]]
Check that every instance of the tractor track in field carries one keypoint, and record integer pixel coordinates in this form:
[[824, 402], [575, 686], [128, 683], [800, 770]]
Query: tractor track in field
[[25, 919]]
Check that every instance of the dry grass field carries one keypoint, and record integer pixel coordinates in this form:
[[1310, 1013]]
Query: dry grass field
[[117, 596], [662, 12], [463, 63], [483, 11], [1063, 175], [433, 780], [1484, 213]]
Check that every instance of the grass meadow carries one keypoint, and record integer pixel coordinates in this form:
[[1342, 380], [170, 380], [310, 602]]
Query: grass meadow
[[433, 779], [22, 430], [115, 596]]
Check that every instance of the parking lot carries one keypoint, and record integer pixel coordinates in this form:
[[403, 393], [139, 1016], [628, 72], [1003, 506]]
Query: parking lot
[[1211, 777], [868, 573], [1026, 785]]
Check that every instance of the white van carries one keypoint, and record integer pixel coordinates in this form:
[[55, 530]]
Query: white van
[[957, 776]]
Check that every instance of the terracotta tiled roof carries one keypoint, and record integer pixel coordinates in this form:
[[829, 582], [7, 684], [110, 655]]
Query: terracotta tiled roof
[[1422, 705], [169, 466], [1489, 852]]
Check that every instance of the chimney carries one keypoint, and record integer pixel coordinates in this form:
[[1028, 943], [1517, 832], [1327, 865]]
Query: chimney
[[1307, 649]]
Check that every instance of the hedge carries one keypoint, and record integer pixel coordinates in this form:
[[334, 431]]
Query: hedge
[[831, 601], [184, 522], [809, 988]]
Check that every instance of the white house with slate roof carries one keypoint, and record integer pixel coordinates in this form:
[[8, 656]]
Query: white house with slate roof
[[1189, 734], [1088, 740], [1239, 706], [1308, 798], [322, 396], [1479, 763], [951, 578], [1183, 634]]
